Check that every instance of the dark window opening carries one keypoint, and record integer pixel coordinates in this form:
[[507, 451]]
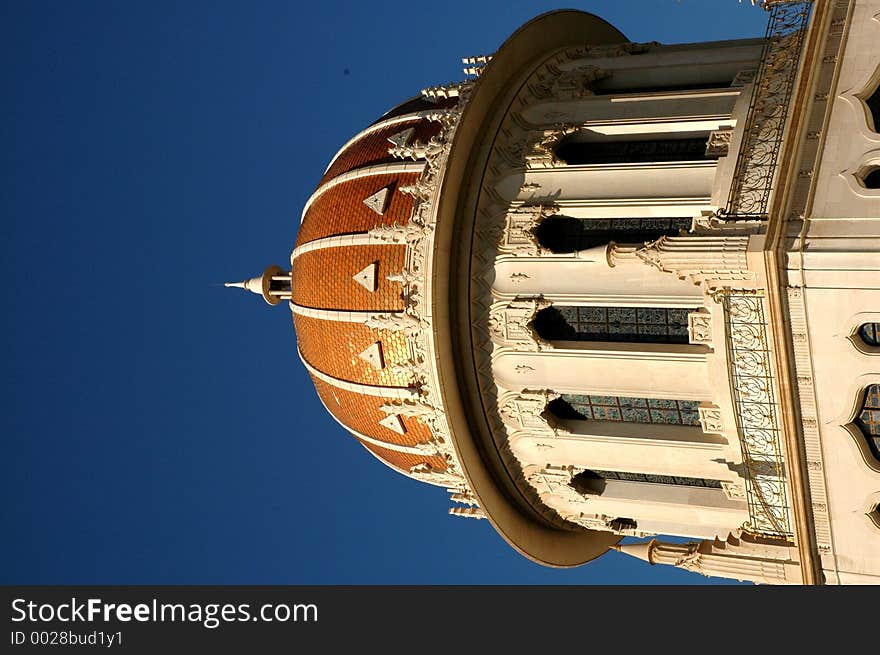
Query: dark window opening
[[873, 103], [620, 523], [561, 234], [868, 420], [588, 483], [871, 179], [607, 88], [618, 324], [869, 333], [631, 152], [591, 483], [623, 409]]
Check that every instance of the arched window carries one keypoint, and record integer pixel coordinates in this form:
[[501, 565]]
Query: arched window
[[562, 234], [869, 333], [868, 420], [575, 151], [624, 409], [621, 324]]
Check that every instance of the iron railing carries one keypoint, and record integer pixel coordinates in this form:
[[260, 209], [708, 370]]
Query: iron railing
[[768, 111]]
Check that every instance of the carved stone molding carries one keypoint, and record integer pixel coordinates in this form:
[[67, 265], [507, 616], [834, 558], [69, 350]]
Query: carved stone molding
[[510, 324]]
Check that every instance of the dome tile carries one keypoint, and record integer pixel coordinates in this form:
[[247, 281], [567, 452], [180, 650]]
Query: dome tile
[[334, 348], [324, 279], [341, 209]]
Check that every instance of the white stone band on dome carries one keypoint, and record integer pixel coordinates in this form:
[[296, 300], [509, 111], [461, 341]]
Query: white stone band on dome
[[375, 127], [394, 168], [336, 241], [343, 316], [400, 393], [424, 450]]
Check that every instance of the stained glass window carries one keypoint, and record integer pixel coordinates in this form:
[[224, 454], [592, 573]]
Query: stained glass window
[[561, 234], [626, 152], [660, 479], [868, 419], [622, 324], [627, 410], [870, 333]]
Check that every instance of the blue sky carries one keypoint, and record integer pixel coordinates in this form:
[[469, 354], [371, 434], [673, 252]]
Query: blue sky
[[157, 428]]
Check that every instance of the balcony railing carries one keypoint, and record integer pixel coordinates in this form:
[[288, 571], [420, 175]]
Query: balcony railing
[[768, 111]]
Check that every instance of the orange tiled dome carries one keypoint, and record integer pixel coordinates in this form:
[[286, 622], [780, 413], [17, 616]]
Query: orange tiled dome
[[338, 272]]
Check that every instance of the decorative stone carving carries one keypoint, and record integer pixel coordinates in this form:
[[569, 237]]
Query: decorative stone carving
[[534, 149], [510, 324], [368, 277], [378, 202], [401, 139], [526, 410], [569, 84], [402, 321], [410, 408], [711, 223], [418, 190], [418, 149], [719, 142], [372, 355], [700, 327], [710, 418], [518, 237], [400, 233], [394, 423], [734, 490]]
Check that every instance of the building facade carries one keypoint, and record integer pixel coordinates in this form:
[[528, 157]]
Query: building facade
[[604, 289]]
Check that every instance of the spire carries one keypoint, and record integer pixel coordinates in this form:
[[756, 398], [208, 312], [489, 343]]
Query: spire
[[640, 550], [273, 285]]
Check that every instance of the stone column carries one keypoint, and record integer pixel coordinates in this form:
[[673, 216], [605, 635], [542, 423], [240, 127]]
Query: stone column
[[698, 258]]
